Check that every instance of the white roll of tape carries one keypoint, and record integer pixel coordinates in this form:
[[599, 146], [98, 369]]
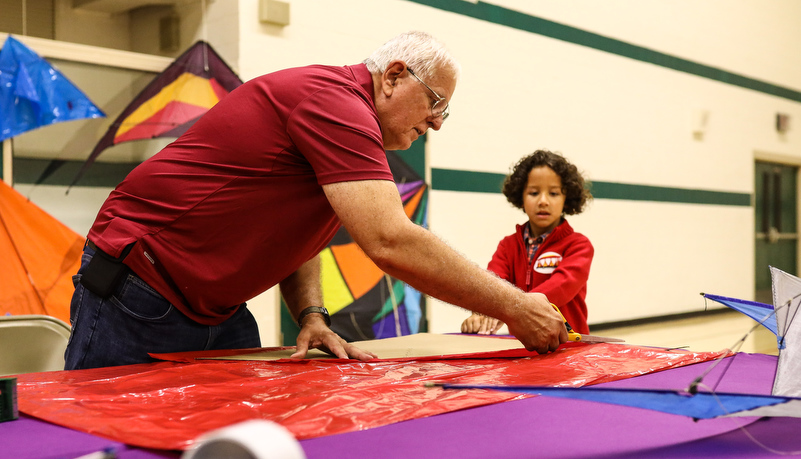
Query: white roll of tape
[[254, 439]]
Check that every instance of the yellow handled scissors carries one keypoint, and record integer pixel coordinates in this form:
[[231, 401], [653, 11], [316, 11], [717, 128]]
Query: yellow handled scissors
[[573, 336]]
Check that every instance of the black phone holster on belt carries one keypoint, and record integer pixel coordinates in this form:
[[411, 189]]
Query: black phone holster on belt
[[104, 272]]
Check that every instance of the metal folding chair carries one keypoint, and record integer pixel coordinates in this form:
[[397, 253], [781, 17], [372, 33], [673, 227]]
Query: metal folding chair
[[32, 343]]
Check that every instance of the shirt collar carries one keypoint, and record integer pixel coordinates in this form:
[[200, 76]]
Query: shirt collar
[[529, 240]]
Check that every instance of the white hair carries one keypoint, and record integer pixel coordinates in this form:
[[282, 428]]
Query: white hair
[[421, 51]]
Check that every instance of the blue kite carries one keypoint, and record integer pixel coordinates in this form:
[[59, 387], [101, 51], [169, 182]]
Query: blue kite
[[761, 312], [34, 94], [698, 405]]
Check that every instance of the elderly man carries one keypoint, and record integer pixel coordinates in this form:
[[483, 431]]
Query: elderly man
[[249, 196]]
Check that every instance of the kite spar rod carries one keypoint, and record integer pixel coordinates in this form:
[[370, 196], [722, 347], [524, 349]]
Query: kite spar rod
[[24, 17], [394, 305], [205, 36]]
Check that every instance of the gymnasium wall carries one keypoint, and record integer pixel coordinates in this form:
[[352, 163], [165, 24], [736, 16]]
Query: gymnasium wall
[[665, 105]]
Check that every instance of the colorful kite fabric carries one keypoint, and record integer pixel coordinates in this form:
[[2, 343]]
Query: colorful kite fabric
[[39, 257], [166, 405], [34, 94], [364, 302], [173, 101]]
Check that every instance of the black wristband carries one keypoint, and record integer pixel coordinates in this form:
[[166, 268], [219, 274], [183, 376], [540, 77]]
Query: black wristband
[[312, 310]]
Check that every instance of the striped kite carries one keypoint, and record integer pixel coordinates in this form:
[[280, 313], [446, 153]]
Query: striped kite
[[172, 102]]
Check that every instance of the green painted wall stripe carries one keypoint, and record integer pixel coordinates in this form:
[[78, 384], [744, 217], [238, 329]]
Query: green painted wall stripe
[[27, 170], [486, 182], [522, 21], [101, 174], [454, 180], [609, 190]]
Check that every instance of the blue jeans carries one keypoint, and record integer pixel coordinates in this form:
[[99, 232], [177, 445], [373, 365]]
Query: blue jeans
[[136, 320]]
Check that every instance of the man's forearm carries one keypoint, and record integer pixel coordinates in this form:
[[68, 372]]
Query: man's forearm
[[424, 261], [373, 214], [302, 288]]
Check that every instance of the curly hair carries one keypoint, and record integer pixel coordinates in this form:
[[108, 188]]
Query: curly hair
[[577, 195]]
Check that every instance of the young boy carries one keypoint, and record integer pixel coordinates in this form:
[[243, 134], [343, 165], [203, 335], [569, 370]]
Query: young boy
[[544, 255]]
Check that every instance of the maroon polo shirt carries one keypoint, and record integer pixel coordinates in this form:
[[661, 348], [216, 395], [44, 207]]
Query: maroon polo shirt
[[235, 205]]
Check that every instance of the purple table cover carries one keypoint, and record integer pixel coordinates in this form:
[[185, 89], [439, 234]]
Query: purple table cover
[[534, 427], [562, 428]]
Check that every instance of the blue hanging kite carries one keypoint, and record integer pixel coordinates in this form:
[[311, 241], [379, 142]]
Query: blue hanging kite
[[34, 94]]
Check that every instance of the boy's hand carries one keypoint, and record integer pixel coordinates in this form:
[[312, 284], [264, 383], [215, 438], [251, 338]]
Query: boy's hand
[[481, 324]]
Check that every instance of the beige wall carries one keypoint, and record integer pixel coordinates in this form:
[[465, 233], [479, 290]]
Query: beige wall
[[91, 28], [618, 119]]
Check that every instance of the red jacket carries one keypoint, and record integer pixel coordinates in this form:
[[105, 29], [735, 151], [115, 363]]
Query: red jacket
[[560, 269]]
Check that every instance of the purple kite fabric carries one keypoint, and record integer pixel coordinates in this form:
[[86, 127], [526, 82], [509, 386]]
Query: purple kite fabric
[[569, 429]]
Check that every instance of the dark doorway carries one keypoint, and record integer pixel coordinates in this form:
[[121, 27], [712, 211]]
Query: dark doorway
[[776, 210]]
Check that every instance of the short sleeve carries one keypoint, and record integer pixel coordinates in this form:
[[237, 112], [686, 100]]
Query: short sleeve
[[337, 130]]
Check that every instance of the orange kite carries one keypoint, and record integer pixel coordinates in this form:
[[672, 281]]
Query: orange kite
[[38, 257]]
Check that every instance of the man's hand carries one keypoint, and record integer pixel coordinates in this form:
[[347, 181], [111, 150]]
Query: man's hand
[[481, 324], [537, 324], [315, 334]]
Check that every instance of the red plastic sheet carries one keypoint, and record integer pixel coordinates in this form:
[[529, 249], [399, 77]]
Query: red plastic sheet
[[166, 405]]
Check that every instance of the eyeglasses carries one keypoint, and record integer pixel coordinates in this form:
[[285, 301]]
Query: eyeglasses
[[439, 107]]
